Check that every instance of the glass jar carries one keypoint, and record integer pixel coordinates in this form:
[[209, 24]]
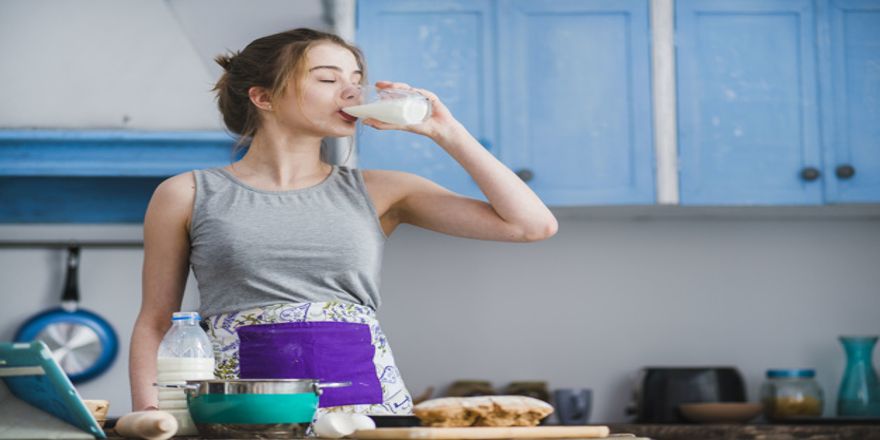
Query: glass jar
[[791, 393]]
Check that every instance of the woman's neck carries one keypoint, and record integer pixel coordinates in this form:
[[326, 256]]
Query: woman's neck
[[282, 162]]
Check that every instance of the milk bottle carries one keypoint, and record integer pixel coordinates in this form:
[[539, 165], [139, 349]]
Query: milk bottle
[[394, 106], [185, 353]]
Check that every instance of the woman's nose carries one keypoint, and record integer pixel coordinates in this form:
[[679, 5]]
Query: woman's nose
[[352, 92]]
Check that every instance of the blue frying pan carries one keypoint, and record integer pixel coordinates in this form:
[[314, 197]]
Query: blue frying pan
[[83, 343]]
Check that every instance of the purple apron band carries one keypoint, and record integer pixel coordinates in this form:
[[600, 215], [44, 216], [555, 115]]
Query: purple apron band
[[329, 351]]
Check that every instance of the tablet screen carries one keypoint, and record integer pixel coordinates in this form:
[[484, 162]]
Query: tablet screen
[[32, 375]]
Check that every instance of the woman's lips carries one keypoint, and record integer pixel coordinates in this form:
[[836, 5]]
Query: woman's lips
[[347, 116]]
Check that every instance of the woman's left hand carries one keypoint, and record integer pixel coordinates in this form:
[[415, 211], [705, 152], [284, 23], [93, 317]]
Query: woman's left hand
[[439, 126]]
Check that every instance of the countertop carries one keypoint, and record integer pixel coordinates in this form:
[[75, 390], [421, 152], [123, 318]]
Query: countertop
[[729, 432], [752, 431]]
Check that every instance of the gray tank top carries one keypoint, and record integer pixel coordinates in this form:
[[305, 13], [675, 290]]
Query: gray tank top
[[252, 248]]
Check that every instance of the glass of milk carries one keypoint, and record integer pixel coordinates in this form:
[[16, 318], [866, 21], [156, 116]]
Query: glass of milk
[[393, 106]]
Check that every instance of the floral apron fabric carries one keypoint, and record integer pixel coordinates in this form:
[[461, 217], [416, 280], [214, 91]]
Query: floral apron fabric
[[224, 332]]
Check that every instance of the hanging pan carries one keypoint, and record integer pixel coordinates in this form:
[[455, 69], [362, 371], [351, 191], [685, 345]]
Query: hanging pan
[[83, 343]]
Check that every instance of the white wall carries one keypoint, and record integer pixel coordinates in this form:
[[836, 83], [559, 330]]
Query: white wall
[[145, 64], [586, 308], [604, 298]]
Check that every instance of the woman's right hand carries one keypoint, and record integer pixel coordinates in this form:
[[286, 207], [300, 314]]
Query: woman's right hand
[[439, 126]]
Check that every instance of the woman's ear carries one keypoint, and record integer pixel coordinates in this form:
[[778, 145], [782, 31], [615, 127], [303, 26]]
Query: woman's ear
[[261, 98]]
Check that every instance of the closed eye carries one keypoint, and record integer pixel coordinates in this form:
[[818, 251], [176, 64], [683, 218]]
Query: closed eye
[[327, 81]]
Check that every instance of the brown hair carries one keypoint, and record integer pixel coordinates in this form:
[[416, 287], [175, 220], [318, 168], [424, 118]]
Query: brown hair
[[267, 62]]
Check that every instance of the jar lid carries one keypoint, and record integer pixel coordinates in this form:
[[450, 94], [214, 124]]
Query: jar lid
[[793, 372]]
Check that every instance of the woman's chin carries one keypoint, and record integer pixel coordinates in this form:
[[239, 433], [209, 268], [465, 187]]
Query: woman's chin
[[342, 132]]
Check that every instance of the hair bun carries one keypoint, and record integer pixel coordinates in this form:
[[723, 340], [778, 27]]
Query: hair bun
[[225, 61]]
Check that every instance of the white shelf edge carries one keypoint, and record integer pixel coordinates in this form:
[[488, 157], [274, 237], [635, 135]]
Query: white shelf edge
[[62, 234]]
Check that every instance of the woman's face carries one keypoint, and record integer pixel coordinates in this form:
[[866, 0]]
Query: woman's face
[[331, 82]]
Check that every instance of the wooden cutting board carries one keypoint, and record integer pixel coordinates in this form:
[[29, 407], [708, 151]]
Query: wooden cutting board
[[517, 432]]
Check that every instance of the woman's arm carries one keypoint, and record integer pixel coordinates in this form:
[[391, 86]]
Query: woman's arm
[[514, 211], [166, 266]]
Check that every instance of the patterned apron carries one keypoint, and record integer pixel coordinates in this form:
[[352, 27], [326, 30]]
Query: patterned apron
[[313, 340]]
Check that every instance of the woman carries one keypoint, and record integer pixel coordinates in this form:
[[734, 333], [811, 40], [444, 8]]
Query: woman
[[287, 248]]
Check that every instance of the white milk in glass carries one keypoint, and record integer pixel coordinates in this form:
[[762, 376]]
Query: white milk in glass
[[401, 107]]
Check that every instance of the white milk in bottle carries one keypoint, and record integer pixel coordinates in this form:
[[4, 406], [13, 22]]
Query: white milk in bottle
[[394, 106], [184, 354]]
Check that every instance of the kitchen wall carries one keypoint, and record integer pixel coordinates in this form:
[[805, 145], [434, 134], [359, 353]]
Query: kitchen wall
[[146, 64], [611, 292], [585, 308]]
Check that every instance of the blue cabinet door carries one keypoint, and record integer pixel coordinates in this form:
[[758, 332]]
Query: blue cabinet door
[[852, 86], [748, 105], [575, 99], [445, 46]]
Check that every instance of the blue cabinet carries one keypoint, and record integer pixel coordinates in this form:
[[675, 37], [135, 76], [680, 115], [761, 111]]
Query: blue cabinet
[[779, 101], [446, 46], [575, 99], [748, 102], [778, 104], [558, 89], [850, 45]]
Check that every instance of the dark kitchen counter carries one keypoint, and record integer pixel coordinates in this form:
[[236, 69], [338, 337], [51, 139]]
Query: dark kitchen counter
[[864, 431], [731, 432], [760, 431]]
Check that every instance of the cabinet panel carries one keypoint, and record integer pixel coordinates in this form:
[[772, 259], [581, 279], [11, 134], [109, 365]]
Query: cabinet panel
[[575, 104], [446, 47], [748, 109], [97, 176], [854, 111], [75, 199]]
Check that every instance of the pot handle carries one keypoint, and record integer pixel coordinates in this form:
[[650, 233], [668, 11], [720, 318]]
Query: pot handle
[[319, 386], [177, 386]]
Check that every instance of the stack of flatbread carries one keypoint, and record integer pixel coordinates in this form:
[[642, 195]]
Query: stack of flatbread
[[482, 411]]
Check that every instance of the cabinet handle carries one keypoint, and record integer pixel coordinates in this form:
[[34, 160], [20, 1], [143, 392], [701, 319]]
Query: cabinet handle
[[525, 174], [845, 171], [810, 174]]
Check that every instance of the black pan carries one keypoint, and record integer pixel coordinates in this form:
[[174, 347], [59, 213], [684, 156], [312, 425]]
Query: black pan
[[83, 343]]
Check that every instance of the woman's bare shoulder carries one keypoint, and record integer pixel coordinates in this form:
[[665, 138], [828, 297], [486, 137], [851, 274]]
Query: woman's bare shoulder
[[177, 189], [174, 197], [391, 179], [387, 184], [387, 188], [397, 183], [381, 175]]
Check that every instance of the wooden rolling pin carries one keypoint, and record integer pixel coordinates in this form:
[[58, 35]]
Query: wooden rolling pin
[[484, 433], [148, 425]]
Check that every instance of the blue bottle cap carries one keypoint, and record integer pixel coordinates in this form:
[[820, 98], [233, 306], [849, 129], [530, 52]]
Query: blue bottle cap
[[791, 373], [180, 316]]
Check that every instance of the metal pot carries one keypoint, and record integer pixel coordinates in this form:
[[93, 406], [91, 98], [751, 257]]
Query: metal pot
[[253, 408]]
